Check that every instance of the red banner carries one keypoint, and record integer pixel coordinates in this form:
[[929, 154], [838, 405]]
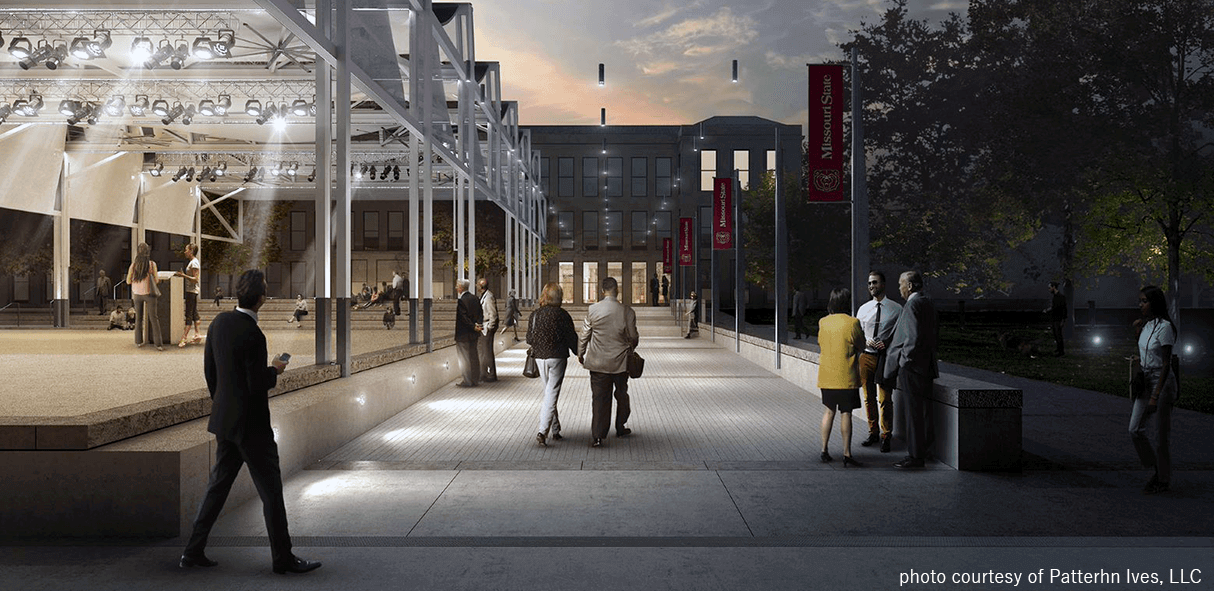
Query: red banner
[[825, 133], [722, 213], [686, 246], [667, 255]]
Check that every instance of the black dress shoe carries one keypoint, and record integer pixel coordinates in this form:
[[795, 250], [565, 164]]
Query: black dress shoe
[[885, 444], [192, 561], [826, 457], [872, 438], [908, 463], [557, 437], [596, 443], [296, 565], [623, 432], [541, 439], [848, 461]]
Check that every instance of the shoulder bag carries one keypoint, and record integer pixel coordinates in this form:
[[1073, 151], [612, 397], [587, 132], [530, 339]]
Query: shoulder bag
[[636, 365], [530, 368]]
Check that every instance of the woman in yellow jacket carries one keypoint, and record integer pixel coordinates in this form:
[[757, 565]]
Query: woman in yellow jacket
[[842, 341]]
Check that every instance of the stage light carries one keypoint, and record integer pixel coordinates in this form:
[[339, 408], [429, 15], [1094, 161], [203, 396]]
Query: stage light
[[372, 172], [100, 42], [223, 104], [177, 61], [160, 107], [202, 48], [603, 117], [188, 117], [163, 52], [140, 106], [221, 169], [206, 108], [115, 106], [299, 108], [223, 44], [180, 173], [277, 169], [189, 174], [362, 171], [396, 173], [94, 113], [57, 56], [202, 176], [68, 107], [251, 174], [141, 49], [20, 48], [384, 175], [79, 48], [41, 52], [213, 176], [293, 170], [158, 169], [5, 110], [602, 74], [312, 175], [177, 111], [252, 108], [735, 70]]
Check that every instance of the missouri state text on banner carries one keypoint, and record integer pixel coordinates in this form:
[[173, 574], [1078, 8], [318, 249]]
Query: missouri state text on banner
[[667, 255], [722, 213], [686, 248], [825, 133]]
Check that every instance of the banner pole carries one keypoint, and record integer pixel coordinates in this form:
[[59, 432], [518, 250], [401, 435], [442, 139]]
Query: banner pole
[[859, 192], [739, 280], [781, 256]]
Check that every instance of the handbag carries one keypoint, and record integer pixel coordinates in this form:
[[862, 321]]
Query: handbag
[[636, 365], [531, 369], [153, 282]]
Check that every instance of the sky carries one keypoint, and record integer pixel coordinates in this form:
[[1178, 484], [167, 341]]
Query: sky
[[668, 61]]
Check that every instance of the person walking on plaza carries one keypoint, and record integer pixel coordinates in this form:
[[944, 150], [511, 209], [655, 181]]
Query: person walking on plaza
[[398, 290], [552, 338], [877, 317], [655, 287], [239, 381], [141, 276], [693, 316], [468, 318], [389, 317], [842, 341], [666, 290], [301, 310], [104, 285], [800, 306], [512, 314], [609, 334], [1156, 340], [192, 288], [1057, 313], [218, 295], [911, 361], [484, 345]]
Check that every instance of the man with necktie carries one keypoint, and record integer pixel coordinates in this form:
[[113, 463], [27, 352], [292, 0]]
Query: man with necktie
[[877, 317]]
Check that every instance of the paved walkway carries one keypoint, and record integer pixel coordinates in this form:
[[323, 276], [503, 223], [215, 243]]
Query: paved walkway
[[719, 487]]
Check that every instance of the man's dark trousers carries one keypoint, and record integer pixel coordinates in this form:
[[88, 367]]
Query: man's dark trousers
[[915, 390], [601, 389], [260, 452]]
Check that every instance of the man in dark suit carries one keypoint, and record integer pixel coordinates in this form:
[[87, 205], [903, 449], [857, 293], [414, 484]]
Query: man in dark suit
[[911, 360], [239, 381], [468, 318]]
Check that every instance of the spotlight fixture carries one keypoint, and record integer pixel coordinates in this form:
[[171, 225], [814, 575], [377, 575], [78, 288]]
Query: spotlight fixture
[[252, 108], [396, 173], [251, 174], [206, 108], [28, 108], [223, 104], [177, 111], [604, 145], [115, 106], [79, 48], [20, 47], [202, 176], [603, 117], [141, 49], [372, 172], [362, 171], [68, 108], [293, 170], [277, 169], [163, 52], [223, 44], [188, 117], [299, 108], [602, 74], [140, 106], [220, 169], [189, 174], [180, 173], [213, 176], [5, 110], [160, 107], [94, 113], [157, 170], [384, 175], [735, 71], [177, 61], [58, 54], [311, 175], [202, 48], [100, 42]]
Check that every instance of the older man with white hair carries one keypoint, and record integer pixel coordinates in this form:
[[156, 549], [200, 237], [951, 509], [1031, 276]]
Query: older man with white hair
[[468, 318]]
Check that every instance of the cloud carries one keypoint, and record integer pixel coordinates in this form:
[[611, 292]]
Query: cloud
[[695, 37], [953, 5]]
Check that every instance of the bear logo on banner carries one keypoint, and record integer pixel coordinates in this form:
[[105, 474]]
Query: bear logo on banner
[[827, 181], [723, 237]]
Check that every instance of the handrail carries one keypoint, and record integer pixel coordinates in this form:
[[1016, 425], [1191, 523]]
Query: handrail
[[18, 304], [114, 295]]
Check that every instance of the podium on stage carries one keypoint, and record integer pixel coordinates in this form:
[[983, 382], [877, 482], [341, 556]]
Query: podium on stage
[[170, 308]]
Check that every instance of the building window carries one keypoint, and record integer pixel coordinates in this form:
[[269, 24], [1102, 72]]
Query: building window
[[771, 162], [299, 230], [590, 282], [564, 229], [640, 230], [705, 238], [708, 168], [662, 176], [370, 230], [590, 230], [615, 177], [640, 283], [396, 230], [615, 270], [564, 177], [590, 177], [613, 229], [661, 226], [565, 271], [545, 180], [640, 177], [741, 163]]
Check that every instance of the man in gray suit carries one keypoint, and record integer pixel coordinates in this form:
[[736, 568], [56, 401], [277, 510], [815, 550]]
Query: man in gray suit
[[609, 334], [911, 360]]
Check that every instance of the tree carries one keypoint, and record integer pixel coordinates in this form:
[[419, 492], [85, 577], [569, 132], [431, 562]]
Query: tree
[[262, 223]]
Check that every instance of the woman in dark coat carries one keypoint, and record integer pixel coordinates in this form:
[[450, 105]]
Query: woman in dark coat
[[552, 338]]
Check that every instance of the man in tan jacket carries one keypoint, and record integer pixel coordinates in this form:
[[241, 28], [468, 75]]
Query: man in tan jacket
[[609, 334]]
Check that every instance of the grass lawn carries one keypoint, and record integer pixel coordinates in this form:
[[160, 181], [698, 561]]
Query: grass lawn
[[1102, 368]]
